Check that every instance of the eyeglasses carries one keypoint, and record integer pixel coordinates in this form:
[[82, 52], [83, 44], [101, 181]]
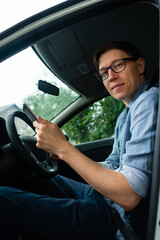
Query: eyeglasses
[[117, 67]]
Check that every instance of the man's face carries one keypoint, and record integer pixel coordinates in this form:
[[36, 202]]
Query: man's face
[[123, 85]]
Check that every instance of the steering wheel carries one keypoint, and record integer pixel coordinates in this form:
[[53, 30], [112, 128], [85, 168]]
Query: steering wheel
[[47, 167]]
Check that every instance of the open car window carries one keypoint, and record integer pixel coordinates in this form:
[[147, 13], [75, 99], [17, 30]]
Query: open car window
[[95, 122]]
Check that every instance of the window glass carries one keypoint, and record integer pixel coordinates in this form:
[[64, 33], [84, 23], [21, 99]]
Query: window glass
[[19, 83], [95, 122]]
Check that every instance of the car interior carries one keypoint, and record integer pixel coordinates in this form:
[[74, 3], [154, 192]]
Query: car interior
[[66, 45]]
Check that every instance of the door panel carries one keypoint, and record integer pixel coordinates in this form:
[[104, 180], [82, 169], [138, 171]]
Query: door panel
[[97, 150]]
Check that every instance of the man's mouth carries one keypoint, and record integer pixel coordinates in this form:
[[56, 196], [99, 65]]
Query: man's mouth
[[117, 86]]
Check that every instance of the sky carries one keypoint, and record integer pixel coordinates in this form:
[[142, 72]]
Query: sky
[[14, 11], [20, 73]]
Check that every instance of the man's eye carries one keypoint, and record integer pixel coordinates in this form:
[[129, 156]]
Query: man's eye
[[104, 73], [117, 66]]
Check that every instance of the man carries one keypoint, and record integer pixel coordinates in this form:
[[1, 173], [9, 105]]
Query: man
[[64, 209]]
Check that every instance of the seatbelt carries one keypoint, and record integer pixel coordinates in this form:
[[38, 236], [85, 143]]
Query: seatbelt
[[154, 80], [127, 231]]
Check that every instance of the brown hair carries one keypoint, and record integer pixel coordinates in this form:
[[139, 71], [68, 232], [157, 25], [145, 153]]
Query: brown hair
[[126, 47]]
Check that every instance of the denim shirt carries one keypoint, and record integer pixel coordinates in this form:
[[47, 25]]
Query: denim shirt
[[133, 148]]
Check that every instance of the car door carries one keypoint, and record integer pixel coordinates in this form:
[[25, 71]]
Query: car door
[[153, 230]]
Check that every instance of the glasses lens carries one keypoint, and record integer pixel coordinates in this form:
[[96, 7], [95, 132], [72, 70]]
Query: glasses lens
[[118, 66], [103, 74]]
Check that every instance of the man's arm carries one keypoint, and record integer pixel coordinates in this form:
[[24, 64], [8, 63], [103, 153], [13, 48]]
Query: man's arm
[[108, 182]]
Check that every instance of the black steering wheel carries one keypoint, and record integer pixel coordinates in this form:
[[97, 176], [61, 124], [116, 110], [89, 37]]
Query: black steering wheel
[[47, 167]]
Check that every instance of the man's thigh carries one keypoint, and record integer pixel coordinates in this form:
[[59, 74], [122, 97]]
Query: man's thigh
[[59, 187], [48, 217]]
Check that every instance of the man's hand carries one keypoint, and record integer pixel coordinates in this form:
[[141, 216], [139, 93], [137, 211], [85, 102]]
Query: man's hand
[[49, 137]]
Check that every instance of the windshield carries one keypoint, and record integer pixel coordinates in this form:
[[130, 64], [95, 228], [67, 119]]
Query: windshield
[[19, 83]]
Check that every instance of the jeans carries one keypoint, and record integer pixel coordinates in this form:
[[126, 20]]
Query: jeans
[[58, 209]]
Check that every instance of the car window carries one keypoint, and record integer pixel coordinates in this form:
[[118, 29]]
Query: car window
[[95, 122], [19, 83]]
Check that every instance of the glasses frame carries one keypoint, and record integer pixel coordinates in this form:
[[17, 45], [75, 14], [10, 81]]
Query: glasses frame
[[99, 77]]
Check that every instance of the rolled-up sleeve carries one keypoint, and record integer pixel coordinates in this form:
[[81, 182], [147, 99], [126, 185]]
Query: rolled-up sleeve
[[138, 180]]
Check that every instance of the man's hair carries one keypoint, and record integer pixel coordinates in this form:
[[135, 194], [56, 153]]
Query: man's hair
[[126, 47]]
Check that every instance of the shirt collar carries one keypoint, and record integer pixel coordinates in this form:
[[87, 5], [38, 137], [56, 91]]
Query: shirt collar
[[140, 90]]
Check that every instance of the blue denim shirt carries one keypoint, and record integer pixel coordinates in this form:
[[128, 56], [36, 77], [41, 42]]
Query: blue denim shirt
[[133, 147]]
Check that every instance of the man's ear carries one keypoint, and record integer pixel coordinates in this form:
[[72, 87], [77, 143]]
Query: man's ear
[[141, 65]]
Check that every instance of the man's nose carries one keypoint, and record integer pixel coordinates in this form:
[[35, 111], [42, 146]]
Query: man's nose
[[111, 75]]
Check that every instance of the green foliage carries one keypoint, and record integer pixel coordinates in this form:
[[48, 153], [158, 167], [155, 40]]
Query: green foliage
[[95, 122]]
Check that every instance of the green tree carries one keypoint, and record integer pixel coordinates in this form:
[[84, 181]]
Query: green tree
[[95, 122]]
